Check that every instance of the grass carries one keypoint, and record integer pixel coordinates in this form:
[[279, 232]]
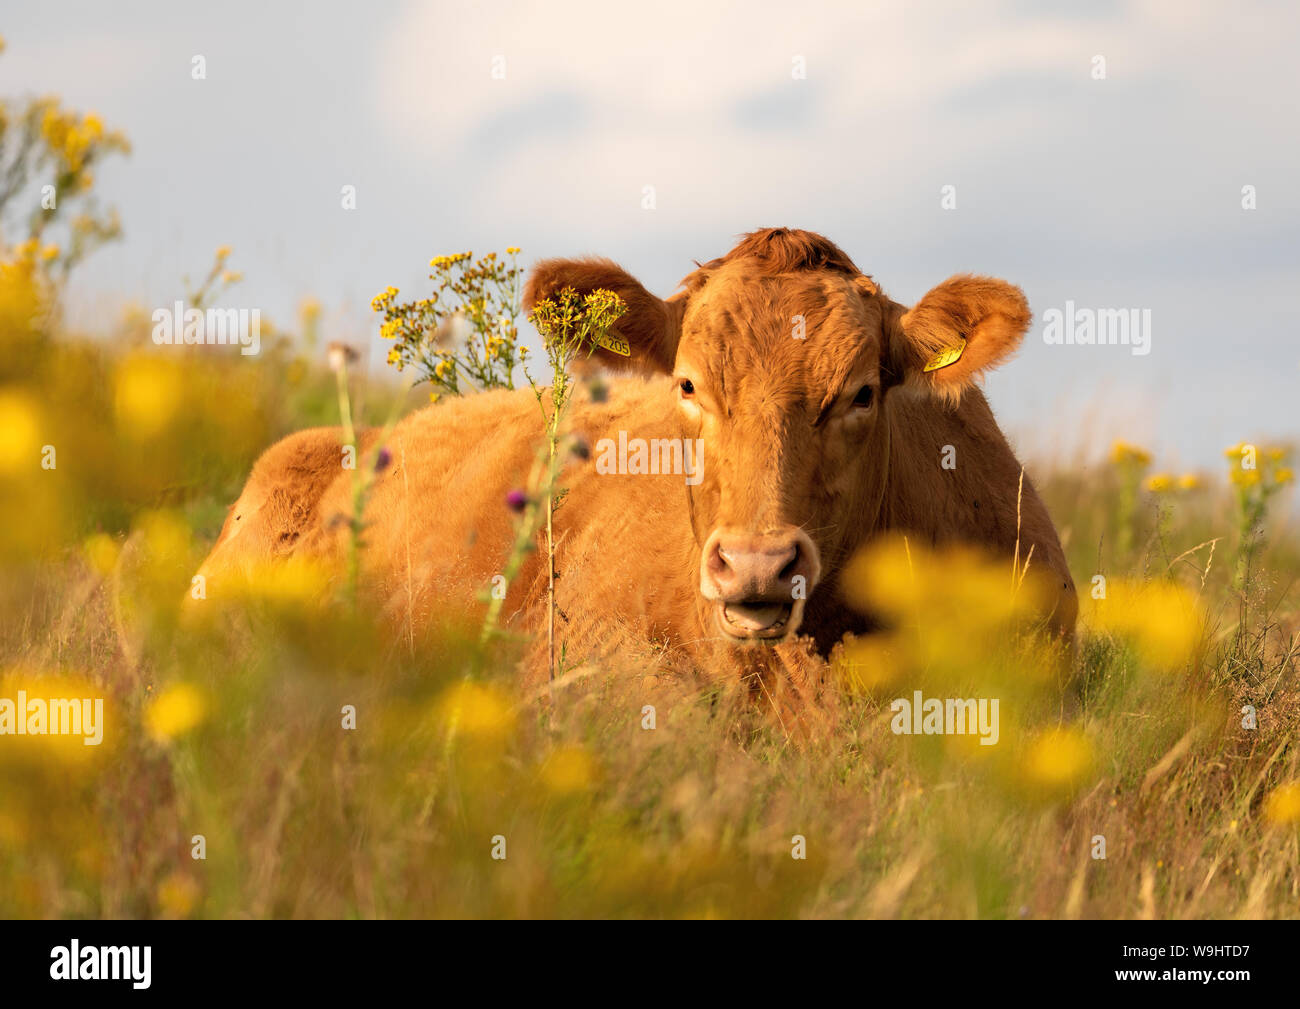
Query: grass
[[229, 724]]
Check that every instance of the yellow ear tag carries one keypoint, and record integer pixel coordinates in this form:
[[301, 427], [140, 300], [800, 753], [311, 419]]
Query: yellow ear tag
[[611, 342], [947, 356]]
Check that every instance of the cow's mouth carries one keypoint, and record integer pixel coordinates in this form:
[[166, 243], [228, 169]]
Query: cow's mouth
[[755, 619]]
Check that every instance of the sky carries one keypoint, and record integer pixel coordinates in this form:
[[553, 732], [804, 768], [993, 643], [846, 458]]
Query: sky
[[476, 126]]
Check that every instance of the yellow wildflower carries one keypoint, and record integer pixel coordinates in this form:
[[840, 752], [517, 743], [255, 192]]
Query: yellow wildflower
[[102, 552], [1121, 452], [293, 583], [178, 894], [148, 395], [1163, 619], [1058, 762], [1283, 804], [476, 711], [568, 770], [20, 437], [177, 709]]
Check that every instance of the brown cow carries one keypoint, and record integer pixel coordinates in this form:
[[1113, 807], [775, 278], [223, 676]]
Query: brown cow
[[792, 399]]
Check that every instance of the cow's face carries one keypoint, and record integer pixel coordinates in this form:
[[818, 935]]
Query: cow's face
[[782, 355]]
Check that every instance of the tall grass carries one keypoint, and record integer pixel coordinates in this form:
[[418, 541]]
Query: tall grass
[[332, 771]]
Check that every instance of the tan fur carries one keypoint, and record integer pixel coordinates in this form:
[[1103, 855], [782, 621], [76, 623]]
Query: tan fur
[[279, 500], [782, 445]]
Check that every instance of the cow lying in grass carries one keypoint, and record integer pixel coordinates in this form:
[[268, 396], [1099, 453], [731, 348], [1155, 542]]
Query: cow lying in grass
[[803, 412]]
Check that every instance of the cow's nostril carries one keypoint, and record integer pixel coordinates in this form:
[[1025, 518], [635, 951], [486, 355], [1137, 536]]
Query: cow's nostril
[[792, 566]]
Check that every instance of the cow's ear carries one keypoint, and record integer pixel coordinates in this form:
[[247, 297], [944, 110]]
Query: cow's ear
[[650, 329], [959, 330]]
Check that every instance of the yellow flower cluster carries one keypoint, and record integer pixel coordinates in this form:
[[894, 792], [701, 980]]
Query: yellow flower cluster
[[466, 329], [1283, 804], [575, 321], [1123, 453], [962, 588], [1265, 468], [174, 711], [1164, 620], [1164, 483], [75, 140], [309, 311], [1058, 762], [476, 712]]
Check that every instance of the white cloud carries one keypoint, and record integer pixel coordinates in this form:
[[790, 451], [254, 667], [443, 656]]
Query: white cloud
[[697, 99]]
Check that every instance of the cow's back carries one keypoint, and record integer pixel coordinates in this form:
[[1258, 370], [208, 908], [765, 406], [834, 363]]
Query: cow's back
[[438, 527]]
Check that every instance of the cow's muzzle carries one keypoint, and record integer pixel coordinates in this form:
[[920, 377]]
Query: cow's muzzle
[[758, 583]]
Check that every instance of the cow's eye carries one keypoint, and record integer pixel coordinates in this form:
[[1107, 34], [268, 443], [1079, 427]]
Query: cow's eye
[[687, 387], [863, 398]]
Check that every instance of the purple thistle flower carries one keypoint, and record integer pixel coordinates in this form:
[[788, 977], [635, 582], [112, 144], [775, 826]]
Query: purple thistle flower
[[383, 460], [516, 500]]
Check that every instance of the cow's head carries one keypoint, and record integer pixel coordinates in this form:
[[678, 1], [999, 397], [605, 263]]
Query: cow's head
[[783, 354]]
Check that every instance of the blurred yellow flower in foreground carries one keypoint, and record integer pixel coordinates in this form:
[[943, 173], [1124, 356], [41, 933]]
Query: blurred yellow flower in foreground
[[869, 663], [24, 294], [65, 714], [1283, 804], [297, 581], [20, 433], [569, 769], [1058, 762], [166, 538], [1244, 477], [148, 395], [1158, 483], [958, 588], [1189, 481], [1163, 619], [176, 710], [102, 552], [477, 711], [178, 894]]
